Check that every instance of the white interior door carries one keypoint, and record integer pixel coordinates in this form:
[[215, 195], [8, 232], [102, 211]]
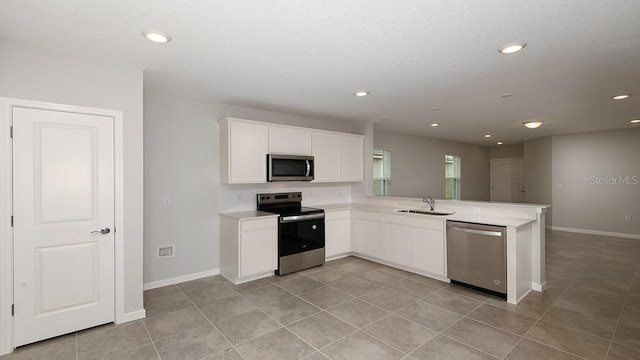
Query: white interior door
[[507, 180], [63, 190]]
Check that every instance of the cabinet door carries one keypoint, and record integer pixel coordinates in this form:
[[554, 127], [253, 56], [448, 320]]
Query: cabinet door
[[258, 247], [368, 234], [428, 251], [286, 140], [351, 158], [398, 244], [326, 152], [337, 233], [247, 152]]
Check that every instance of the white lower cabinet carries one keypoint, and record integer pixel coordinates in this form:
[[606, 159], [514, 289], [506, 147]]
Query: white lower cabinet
[[248, 248], [367, 233], [414, 242], [337, 227]]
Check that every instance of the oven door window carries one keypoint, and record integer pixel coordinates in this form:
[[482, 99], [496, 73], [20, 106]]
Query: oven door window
[[300, 236]]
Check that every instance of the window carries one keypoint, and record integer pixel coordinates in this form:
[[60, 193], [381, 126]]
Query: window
[[452, 177], [381, 172]]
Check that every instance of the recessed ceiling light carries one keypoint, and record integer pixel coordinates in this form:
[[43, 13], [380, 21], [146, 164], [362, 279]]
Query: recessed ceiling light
[[621, 97], [635, 121], [512, 48], [499, 143], [532, 124], [487, 135], [361, 93], [434, 124], [156, 36]]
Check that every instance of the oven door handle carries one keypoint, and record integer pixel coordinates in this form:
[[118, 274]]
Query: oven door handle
[[287, 219]]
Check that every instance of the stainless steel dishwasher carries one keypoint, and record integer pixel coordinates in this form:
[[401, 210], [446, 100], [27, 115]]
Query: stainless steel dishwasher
[[476, 255]]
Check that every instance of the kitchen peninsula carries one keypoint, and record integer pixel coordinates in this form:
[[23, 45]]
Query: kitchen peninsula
[[372, 229]]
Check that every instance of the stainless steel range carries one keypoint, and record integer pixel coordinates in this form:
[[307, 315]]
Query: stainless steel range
[[300, 231]]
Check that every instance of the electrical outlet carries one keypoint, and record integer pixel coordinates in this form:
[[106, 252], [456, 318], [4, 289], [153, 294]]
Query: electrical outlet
[[627, 218], [166, 201], [166, 251], [474, 210]]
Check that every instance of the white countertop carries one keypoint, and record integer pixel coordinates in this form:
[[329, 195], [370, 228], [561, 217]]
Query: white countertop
[[474, 218]]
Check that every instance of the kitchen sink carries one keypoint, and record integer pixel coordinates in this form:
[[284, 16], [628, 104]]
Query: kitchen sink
[[426, 212]]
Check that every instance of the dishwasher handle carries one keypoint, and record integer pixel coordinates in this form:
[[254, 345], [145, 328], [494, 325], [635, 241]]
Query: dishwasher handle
[[478, 232]]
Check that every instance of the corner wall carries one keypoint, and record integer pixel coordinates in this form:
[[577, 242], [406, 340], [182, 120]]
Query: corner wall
[[596, 181], [538, 173]]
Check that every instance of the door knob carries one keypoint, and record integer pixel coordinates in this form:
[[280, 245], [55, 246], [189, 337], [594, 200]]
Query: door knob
[[103, 231]]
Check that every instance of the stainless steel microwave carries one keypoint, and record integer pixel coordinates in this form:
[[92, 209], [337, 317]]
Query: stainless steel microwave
[[289, 167]]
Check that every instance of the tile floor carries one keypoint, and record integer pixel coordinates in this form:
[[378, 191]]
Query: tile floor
[[356, 309]]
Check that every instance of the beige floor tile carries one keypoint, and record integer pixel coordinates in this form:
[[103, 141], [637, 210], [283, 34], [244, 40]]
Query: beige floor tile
[[161, 291], [111, 341], [277, 278], [450, 301], [465, 291], [358, 313], [531, 350], [209, 293], [193, 344], [429, 315], [631, 312], [329, 276], [569, 340], [428, 281], [280, 344], [300, 285], [326, 297], [251, 285], [146, 352], [228, 354], [246, 326], [442, 347], [61, 350], [483, 337], [226, 307], [621, 352], [315, 356], [628, 336], [166, 303], [506, 320], [579, 321], [379, 277], [360, 346], [290, 310], [355, 267], [202, 283], [400, 333], [355, 286], [387, 299], [412, 288], [175, 322], [321, 329], [267, 295]]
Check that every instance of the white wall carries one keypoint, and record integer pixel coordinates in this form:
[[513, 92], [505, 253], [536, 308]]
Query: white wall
[[182, 161], [43, 75], [579, 202], [417, 165], [513, 151]]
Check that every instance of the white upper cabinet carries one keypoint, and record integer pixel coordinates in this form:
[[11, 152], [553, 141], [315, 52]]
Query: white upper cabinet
[[290, 141], [326, 156], [244, 145], [351, 158], [243, 151]]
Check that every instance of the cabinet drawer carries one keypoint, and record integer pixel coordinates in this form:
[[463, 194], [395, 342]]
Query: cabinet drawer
[[259, 224], [336, 215]]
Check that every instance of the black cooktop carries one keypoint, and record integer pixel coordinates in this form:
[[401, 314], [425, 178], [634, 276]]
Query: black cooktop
[[285, 204]]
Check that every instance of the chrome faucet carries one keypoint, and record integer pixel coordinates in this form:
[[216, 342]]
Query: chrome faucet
[[429, 201]]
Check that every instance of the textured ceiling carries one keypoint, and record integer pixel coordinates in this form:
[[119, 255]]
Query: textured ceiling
[[308, 57]]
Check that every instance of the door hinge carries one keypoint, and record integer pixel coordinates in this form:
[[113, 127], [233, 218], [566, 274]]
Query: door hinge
[[13, 309], [11, 131], [11, 220]]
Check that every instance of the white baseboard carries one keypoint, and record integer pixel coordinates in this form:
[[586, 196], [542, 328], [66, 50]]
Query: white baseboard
[[134, 315], [180, 279], [596, 232], [539, 287]]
